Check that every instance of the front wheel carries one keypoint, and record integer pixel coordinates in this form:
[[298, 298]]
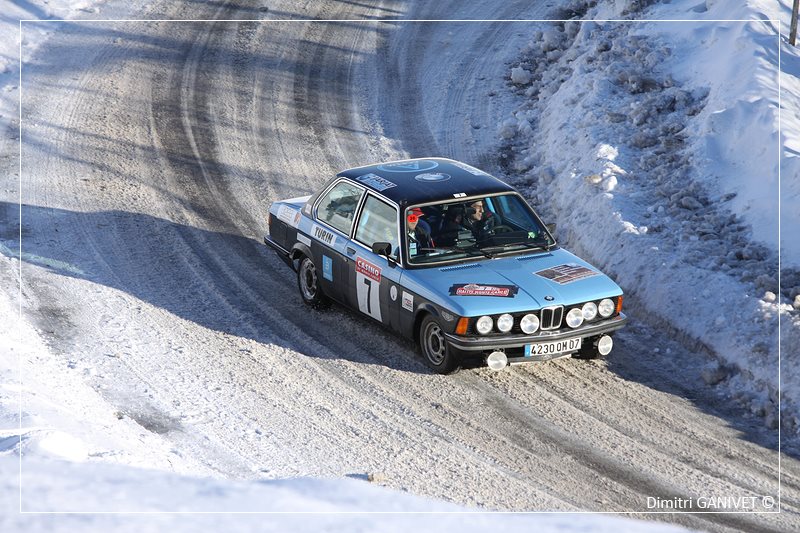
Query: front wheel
[[437, 354], [308, 282]]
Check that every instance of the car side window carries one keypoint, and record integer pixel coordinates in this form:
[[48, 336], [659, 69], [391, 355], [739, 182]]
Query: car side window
[[378, 223], [338, 207], [511, 210]]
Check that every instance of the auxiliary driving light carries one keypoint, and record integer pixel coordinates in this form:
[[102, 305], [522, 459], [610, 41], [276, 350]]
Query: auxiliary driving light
[[484, 325], [497, 361], [604, 345], [606, 307], [589, 311], [574, 318], [529, 323], [505, 323]]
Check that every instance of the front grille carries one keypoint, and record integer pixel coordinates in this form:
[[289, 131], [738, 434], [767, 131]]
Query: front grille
[[551, 317]]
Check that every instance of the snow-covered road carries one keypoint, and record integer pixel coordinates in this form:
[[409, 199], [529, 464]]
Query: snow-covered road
[[151, 151]]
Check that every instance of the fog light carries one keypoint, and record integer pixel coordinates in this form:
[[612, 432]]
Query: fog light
[[497, 361], [604, 345]]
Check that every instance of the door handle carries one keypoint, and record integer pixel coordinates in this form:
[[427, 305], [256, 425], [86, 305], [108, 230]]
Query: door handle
[[351, 251]]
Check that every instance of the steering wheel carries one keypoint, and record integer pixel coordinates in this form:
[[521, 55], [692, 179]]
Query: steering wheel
[[502, 228]]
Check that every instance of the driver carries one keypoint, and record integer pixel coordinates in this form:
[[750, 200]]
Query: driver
[[479, 220], [418, 238]]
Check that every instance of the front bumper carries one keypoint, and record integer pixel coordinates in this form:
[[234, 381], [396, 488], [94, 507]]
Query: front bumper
[[481, 344]]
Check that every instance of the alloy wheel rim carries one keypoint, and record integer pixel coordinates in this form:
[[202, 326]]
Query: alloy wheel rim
[[308, 280], [434, 344]]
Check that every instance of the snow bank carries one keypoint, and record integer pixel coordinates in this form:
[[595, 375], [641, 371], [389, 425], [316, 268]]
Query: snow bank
[[655, 147]]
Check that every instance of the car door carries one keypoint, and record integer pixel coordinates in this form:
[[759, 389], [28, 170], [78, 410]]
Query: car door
[[374, 281], [334, 217]]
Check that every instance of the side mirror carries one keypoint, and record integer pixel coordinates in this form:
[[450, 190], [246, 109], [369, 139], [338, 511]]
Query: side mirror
[[551, 228], [382, 248]]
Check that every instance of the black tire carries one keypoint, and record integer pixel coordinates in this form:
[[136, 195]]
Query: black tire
[[308, 283], [588, 350], [435, 351]]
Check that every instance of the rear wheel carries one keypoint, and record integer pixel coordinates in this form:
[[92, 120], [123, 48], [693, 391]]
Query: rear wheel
[[437, 354], [308, 282]]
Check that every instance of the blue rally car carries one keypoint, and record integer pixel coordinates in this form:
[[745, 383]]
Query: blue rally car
[[451, 257]]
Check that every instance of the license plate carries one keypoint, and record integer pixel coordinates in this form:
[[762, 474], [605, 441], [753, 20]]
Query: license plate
[[553, 347]]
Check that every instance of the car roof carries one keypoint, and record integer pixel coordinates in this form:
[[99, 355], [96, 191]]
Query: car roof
[[414, 181]]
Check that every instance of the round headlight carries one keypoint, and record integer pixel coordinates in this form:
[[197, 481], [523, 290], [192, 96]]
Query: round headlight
[[529, 324], [606, 307], [589, 310], [574, 318], [505, 323], [484, 325]]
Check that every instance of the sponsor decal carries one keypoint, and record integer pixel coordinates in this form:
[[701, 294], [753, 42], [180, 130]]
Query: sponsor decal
[[408, 301], [321, 234], [472, 170], [369, 270], [432, 176], [409, 166], [304, 239], [447, 316], [376, 182], [289, 215], [567, 273], [393, 293], [327, 268], [474, 289], [459, 195]]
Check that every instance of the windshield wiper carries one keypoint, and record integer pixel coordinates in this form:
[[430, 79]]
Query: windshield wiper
[[527, 244], [485, 252]]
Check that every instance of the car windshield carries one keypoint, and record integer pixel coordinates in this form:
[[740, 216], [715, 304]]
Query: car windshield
[[475, 227]]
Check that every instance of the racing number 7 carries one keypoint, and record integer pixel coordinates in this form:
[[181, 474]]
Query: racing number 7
[[368, 283], [368, 295]]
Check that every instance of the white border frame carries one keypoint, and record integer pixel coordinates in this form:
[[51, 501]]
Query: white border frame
[[372, 21]]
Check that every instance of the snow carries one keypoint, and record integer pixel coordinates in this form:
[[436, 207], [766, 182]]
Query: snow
[[76, 454], [655, 146]]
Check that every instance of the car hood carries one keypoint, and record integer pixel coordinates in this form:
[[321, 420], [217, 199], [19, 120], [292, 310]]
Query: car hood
[[519, 283]]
